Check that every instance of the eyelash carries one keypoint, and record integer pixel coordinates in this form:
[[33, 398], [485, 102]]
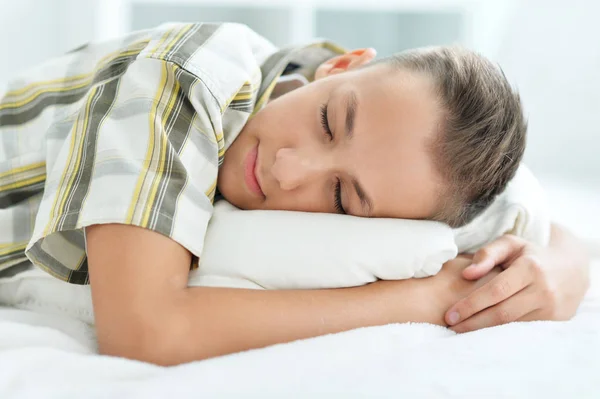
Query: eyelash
[[325, 122], [337, 197]]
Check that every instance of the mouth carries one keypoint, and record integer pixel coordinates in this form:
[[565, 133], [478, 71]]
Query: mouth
[[250, 172]]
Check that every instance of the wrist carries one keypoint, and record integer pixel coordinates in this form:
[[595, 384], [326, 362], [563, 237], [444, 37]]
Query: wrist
[[417, 300]]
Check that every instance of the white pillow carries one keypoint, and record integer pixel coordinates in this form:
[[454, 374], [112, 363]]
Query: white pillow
[[287, 250]]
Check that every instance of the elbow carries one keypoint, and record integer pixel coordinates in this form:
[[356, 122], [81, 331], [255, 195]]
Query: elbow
[[140, 346], [142, 353], [159, 343]]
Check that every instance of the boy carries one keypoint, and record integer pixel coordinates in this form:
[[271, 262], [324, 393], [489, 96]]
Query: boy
[[109, 145]]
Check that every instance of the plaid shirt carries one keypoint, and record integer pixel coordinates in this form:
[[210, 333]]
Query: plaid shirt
[[130, 131]]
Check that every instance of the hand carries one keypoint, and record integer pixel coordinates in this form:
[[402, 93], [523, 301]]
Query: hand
[[537, 284], [430, 297]]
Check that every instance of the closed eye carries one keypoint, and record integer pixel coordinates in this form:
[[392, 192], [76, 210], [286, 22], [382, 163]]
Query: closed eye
[[325, 121], [337, 192], [337, 198]]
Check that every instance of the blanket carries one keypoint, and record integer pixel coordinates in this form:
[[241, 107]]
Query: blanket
[[53, 356]]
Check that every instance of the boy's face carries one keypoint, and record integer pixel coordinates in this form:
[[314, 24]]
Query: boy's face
[[381, 121]]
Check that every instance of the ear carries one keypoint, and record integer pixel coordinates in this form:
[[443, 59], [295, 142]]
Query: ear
[[345, 62]]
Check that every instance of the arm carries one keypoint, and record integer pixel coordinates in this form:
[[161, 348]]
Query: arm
[[144, 309], [570, 250], [538, 283]]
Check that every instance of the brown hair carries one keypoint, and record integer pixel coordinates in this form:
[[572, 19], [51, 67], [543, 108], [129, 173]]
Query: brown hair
[[482, 131]]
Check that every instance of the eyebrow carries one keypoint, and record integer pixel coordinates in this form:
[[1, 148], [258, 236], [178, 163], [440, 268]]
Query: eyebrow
[[351, 106], [365, 201]]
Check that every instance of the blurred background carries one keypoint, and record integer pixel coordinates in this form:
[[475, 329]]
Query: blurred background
[[549, 49]]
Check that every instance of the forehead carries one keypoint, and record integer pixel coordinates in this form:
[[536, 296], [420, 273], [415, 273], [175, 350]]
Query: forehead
[[406, 98], [397, 118]]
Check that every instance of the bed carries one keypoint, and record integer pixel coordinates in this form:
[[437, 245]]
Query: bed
[[46, 356], [53, 356]]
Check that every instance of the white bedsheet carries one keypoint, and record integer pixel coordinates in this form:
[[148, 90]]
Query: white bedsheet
[[52, 356]]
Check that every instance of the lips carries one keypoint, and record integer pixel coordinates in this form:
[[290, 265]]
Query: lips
[[250, 169]]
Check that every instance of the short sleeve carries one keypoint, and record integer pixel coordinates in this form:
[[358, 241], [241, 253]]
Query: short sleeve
[[140, 149]]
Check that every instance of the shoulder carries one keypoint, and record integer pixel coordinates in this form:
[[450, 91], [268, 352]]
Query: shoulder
[[223, 56]]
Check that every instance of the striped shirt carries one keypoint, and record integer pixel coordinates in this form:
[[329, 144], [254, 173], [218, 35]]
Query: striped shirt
[[129, 131]]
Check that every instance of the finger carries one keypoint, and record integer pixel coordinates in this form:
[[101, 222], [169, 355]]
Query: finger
[[543, 314], [497, 252], [515, 308], [478, 270], [500, 288], [532, 316], [500, 251]]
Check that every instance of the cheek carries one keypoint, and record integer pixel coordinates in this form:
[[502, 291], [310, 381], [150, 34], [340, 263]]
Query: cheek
[[292, 114], [284, 118], [412, 192]]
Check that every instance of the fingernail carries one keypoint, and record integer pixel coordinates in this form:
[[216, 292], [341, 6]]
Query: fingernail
[[453, 317]]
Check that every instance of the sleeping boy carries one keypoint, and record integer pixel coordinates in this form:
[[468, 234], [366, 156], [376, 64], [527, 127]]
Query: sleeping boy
[[111, 157]]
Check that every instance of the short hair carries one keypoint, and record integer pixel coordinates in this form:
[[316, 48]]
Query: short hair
[[482, 132]]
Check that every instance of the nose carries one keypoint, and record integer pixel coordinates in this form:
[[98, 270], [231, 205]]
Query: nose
[[293, 167]]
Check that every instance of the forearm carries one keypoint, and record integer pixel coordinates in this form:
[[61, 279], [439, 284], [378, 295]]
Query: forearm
[[207, 322], [571, 260], [569, 248], [144, 310]]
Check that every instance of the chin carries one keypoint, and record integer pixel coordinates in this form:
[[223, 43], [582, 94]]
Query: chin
[[237, 199], [243, 204]]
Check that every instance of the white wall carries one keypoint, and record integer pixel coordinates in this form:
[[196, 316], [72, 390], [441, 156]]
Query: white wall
[[26, 25], [34, 30], [549, 48], [551, 51]]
